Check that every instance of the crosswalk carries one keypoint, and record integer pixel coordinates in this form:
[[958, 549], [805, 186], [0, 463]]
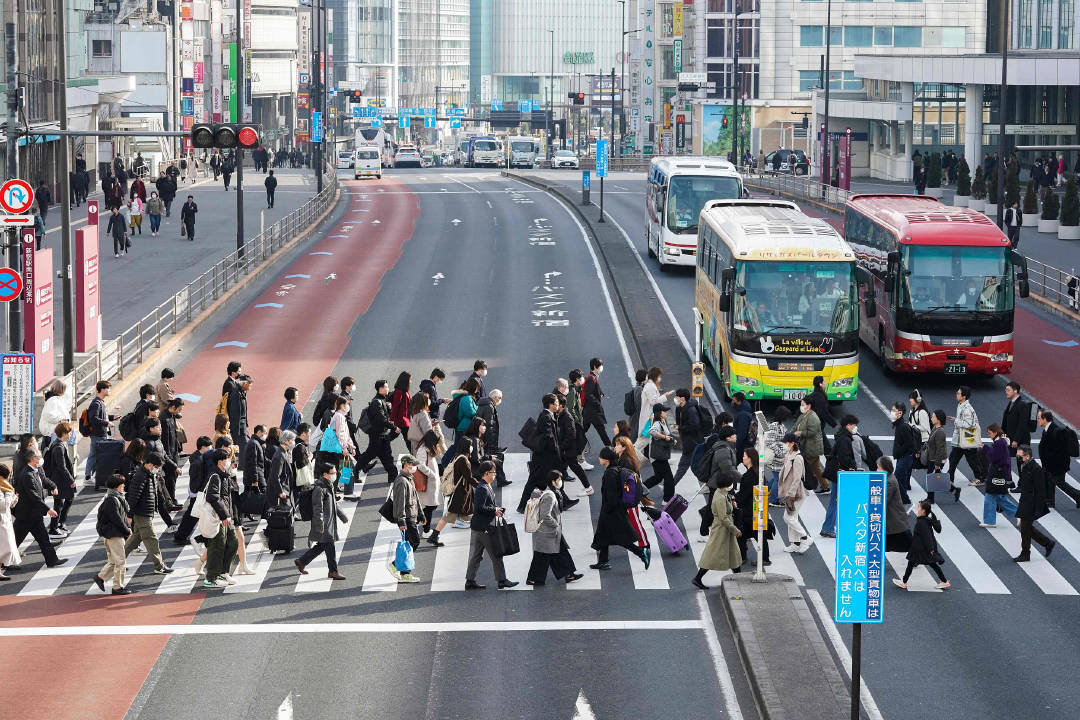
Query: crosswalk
[[366, 545]]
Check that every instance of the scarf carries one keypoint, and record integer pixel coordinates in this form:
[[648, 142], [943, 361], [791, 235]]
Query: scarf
[[5, 486]]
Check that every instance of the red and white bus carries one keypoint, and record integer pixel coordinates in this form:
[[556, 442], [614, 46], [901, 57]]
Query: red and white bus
[[942, 296]]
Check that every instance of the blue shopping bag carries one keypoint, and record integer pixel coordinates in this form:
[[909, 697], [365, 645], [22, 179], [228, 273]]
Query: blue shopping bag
[[404, 560], [329, 442]]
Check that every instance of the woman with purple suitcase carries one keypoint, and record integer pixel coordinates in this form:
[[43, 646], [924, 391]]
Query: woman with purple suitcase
[[613, 526], [722, 548]]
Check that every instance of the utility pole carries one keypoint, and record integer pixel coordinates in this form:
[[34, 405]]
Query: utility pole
[[622, 79], [316, 104], [65, 196], [826, 139], [15, 323], [735, 88], [612, 113], [1002, 96], [240, 113]]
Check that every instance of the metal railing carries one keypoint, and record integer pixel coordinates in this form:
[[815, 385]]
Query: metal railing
[[130, 347], [1052, 284]]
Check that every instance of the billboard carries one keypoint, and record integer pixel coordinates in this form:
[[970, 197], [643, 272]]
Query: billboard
[[716, 139]]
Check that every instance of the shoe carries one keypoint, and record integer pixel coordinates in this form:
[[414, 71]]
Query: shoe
[[1022, 558], [408, 578], [433, 539], [99, 582], [244, 570], [587, 466], [460, 524], [587, 492], [116, 255], [943, 585], [507, 584], [300, 566], [775, 504], [571, 503], [767, 563], [646, 557], [123, 591], [821, 491], [956, 495], [57, 533], [827, 534], [793, 548], [698, 584], [988, 525], [163, 570], [1049, 548], [504, 483], [573, 577], [219, 583], [335, 576], [473, 585], [899, 583], [534, 582], [59, 562], [600, 566]]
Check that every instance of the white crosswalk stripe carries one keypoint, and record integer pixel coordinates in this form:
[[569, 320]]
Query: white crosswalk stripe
[[443, 569]]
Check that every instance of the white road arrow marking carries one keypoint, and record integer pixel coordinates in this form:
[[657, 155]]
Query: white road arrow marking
[[437, 277], [285, 709], [231, 343], [320, 252], [335, 236], [288, 286], [298, 275], [270, 305], [188, 397], [376, 222], [328, 278], [582, 709], [455, 222], [282, 293]]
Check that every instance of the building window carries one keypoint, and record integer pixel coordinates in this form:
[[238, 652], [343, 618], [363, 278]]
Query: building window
[[858, 36], [954, 37], [809, 79], [667, 20], [1065, 25], [667, 62], [851, 82], [811, 35], [101, 48], [907, 36], [883, 36], [1024, 40], [1046, 26]]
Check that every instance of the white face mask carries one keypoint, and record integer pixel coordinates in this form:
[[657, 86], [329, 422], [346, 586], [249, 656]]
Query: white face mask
[[599, 370], [896, 414], [557, 484], [854, 429]]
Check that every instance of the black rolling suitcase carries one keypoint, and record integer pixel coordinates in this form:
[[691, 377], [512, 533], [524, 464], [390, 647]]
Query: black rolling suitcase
[[106, 461], [280, 533]]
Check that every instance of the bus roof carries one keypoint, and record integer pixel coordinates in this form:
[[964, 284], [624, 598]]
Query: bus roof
[[692, 165], [924, 220], [774, 230]]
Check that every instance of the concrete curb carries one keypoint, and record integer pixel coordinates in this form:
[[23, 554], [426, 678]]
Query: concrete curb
[[759, 672], [134, 376]]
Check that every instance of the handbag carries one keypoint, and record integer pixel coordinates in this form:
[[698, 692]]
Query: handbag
[[937, 557], [200, 507], [209, 525], [659, 449], [329, 442], [305, 476], [504, 539], [970, 437], [387, 510], [419, 481], [404, 559], [937, 482]]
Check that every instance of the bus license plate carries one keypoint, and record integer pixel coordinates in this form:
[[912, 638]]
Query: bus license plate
[[956, 368], [794, 394]]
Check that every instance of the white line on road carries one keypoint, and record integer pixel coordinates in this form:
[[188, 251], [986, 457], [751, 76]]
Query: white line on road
[[298, 275], [285, 709], [270, 305], [720, 666], [868, 702], [582, 708], [374, 628]]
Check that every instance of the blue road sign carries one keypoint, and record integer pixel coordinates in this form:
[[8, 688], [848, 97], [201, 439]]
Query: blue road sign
[[316, 126], [860, 547], [455, 123], [602, 150], [11, 285], [376, 122], [496, 105], [536, 106], [459, 112], [586, 180], [429, 111], [429, 121], [403, 119], [524, 106]]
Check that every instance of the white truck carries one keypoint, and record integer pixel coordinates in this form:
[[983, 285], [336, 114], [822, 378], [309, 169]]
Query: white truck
[[522, 151]]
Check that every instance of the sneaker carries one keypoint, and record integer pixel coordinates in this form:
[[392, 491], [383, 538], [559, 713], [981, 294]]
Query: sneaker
[[988, 525], [943, 585], [163, 570], [116, 255], [587, 492], [57, 533], [99, 582], [899, 583], [587, 466], [408, 578], [460, 524], [394, 572], [793, 548], [827, 534], [600, 566], [219, 583]]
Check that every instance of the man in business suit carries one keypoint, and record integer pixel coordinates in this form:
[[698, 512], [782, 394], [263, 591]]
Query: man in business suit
[[31, 509], [1031, 506], [1014, 419], [485, 510], [1014, 220], [1054, 455], [547, 456]]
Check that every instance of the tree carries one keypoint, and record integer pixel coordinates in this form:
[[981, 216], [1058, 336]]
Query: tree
[[1070, 204], [933, 171], [1050, 205], [992, 194], [978, 187], [963, 179], [1012, 184], [1031, 200]]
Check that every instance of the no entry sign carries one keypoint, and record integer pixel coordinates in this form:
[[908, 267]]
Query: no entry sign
[[11, 285], [16, 196]]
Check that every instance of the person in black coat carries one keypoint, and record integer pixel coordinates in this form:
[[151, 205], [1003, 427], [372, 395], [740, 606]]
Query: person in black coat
[[281, 477], [1055, 458], [325, 402], [592, 411], [270, 183], [569, 447], [613, 524], [187, 216], [62, 475], [480, 371], [924, 547], [819, 402], [688, 416], [744, 506], [237, 410], [1031, 506], [485, 511], [114, 528], [547, 456], [903, 449], [30, 511], [380, 435], [1015, 418], [254, 467], [166, 188], [197, 474], [142, 496], [170, 444], [431, 387]]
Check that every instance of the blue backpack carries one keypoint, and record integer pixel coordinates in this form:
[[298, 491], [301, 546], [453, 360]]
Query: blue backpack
[[701, 458]]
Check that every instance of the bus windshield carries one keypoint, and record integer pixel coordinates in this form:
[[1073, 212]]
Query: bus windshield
[[687, 194], [791, 298], [956, 278]]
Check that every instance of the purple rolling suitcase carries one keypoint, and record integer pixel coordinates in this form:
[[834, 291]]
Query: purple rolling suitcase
[[676, 506], [670, 533]]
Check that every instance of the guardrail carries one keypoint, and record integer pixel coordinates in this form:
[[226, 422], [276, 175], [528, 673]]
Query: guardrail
[[113, 356]]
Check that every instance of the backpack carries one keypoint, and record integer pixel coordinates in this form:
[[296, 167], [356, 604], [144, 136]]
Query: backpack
[[84, 423], [751, 435], [1072, 446], [705, 418], [628, 403], [128, 427], [529, 437], [46, 464], [450, 414], [1033, 417], [702, 457], [222, 406], [532, 515], [363, 424], [873, 452], [631, 489]]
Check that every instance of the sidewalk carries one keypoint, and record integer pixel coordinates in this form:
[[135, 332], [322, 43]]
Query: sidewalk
[[157, 267]]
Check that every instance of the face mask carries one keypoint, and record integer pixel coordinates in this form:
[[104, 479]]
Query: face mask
[[337, 389], [599, 370], [855, 430], [557, 484], [897, 415]]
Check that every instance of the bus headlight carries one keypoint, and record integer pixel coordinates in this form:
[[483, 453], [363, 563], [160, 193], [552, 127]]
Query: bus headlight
[[1000, 357], [911, 356], [844, 382], [671, 251], [746, 381]]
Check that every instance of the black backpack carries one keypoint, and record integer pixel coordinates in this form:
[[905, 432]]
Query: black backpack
[[1072, 446], [873, 452], [450, 414], [363, 423], [129, 429], [705, 418], [529, 437], [1032, 417], [628, 403], [46, 464]]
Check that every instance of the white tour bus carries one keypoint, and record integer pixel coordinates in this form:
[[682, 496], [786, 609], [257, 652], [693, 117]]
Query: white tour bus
[[677, 189]]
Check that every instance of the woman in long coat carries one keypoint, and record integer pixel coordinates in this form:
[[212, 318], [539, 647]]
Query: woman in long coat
[[9, 549], [722, 549], [613, 525], [549, 546]]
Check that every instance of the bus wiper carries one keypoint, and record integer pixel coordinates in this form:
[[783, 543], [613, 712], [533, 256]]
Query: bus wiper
[[786, 327], [935, 308]]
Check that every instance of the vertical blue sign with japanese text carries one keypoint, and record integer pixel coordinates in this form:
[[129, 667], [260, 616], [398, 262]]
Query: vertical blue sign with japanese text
[[860, 547], [316, 126], [602, 158]]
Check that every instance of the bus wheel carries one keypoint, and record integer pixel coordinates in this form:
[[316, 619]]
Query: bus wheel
[[663, 265], [881, 353]]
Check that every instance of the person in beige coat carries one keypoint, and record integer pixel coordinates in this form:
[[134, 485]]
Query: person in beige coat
[[722, 548], [9, 549], [792, 493], [420, 422]]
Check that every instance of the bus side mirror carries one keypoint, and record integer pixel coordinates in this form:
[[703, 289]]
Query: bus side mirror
[[890, 274], [745, 193], [865, 280], [723, 304], [1024, 285], [727, 281]]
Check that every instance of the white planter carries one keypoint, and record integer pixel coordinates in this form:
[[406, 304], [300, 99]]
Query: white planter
[[990, 209], [1048, 226], [976, 204], [960, 200], [1031, 219], [935, 192], [1068, 232]]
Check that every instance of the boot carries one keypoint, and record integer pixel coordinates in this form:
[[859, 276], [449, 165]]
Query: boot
[[433, 539], [243, 569], [198, 565]]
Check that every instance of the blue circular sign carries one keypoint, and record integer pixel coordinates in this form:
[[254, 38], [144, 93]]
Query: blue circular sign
[[11, 285]]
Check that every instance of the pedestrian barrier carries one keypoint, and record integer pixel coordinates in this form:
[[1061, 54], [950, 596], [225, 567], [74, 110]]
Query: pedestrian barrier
[[113, 356]]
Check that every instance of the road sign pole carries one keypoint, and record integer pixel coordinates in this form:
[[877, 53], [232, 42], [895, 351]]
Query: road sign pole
[[856, 669], [66, 239]]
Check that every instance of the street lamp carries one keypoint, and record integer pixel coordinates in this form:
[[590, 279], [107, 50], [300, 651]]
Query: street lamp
[[1002, 165], [551, 96]]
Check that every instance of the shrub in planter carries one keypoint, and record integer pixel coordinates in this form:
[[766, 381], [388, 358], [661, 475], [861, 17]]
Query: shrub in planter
[[963, 179], [1031, 200], [1050, 205], [978, 186], [933, 171], [1069, 227], [1012, 185], [992, 192]]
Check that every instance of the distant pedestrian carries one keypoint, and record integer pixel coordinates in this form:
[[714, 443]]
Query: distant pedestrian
[[39, 226], [215, 165], [118, 230], [897, 525], [9, 549], [997, 461], [44, 198], [166, 188], [381, 433], [924, 547], [271, 185], [1014, 220], [138, 190], [650, 396], [1055, 455], [114, 527], [61, 472], [407, 512], [187, 218], [792, 493], [155, 208], [965, 440], [592, 412], [290, 416], [325, 515], [143, 498], [615, 526], [227, 168]]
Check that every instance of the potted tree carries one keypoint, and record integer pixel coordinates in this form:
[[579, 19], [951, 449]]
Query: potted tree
[[977, 201], [1031, 205], [963, 184], [1069, 226], [1012, 184], [933, 175], [992, 194], [1048, 221]]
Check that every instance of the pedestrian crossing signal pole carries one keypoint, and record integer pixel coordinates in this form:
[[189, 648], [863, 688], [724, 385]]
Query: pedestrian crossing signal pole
[[761, 498], [240, 112]]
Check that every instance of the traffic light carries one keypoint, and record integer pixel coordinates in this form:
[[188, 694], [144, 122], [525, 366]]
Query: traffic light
[[578, 98], [805, 122], [225, 136], [724, 122]]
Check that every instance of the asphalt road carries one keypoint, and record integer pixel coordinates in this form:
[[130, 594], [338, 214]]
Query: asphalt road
[[937, 653]]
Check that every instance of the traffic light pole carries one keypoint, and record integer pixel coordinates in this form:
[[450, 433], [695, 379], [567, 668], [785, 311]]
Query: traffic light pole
[[15, 321], [240, 113], [317, 96]]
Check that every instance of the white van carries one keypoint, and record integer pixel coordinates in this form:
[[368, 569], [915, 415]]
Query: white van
[[368, 163]]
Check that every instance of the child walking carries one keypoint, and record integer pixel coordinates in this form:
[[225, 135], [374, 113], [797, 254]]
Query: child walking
[[924, 547]]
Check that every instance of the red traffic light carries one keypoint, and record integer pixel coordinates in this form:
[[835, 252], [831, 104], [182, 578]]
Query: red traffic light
[[226, 136], [248, 137]]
